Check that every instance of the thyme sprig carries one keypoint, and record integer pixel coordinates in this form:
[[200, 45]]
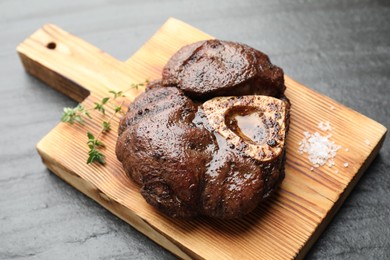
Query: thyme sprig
[[80, 113], [72, 115], [94, 154], [100, 105]]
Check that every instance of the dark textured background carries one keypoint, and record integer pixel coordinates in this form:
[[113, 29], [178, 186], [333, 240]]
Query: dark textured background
[[339, 48]]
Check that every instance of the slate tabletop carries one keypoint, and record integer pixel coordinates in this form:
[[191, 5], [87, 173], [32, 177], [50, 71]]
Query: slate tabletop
[[336, 47]]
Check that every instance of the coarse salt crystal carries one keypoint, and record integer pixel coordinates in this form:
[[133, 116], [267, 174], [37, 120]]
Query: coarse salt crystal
[[347, 149], [346, 165], [332, 108], [336, 171], [319, 148], [331, 163], [324, 126], [367, 142]]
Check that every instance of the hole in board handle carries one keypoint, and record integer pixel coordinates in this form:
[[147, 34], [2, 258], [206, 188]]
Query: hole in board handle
[[51, 45]]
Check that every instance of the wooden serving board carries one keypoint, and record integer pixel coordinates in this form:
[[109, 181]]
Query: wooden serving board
[[284, 227]]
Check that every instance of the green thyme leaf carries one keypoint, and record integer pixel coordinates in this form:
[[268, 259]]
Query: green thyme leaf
[[96, 156], [70, 115], [104, 100], [117, 109], [90, 136], [88, 115], [106, 126], [99, 107], [117, 93]]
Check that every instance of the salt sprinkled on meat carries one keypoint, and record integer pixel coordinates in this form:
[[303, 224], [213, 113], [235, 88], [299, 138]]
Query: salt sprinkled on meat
[[319, 148]]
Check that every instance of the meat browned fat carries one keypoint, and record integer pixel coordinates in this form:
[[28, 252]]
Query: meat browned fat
[[202, 160], [213, 68]]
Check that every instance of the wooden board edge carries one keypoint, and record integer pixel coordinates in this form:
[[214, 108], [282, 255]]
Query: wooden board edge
[[52, 78], [343, 196], [112, 206]]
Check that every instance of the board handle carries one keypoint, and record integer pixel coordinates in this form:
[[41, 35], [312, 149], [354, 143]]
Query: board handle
[[71, 65]]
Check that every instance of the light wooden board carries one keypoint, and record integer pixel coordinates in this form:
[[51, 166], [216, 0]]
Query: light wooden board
[[284, 227]]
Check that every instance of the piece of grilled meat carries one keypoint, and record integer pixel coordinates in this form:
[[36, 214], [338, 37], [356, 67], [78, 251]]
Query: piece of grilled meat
[[161, 149], [213, 68], [218, 157]]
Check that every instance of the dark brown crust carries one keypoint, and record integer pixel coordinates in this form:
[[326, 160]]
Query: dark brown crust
[[213, 68], [161, 149]]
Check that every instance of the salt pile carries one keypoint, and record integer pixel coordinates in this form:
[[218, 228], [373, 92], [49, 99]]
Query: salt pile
[[319, 148]]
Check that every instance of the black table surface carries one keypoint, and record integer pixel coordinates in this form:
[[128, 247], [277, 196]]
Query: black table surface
[[338, 48]]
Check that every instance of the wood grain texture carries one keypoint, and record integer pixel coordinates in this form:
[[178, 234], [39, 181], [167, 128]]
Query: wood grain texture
[[285, 227]]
